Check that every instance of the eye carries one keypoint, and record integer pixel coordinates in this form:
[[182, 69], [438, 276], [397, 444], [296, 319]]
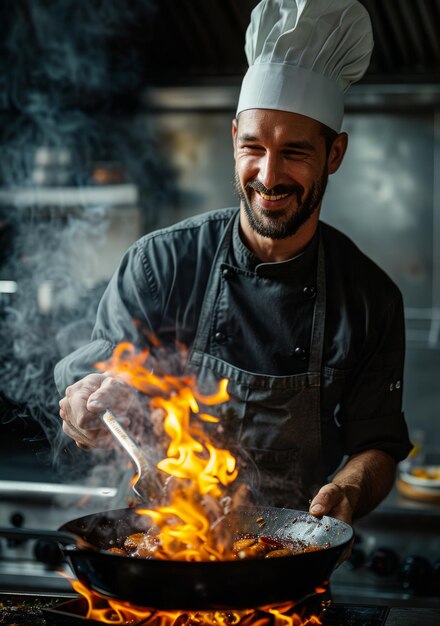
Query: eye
[[251, 148], [294, 154]]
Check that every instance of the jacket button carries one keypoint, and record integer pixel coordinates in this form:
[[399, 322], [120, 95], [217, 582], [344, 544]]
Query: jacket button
[[300, 353], [220, 337], [227, 273], [309, 291]]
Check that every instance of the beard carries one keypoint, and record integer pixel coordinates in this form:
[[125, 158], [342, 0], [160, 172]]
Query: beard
[[283, 223]]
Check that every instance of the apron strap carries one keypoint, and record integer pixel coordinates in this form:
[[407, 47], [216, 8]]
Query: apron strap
[[318, 325], [200, 344]]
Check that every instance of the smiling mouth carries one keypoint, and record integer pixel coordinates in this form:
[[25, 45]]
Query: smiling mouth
[[273, 198]]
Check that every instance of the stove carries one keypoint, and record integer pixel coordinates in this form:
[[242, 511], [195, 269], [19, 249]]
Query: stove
[[67, 609], [395, 562], [31, 565], [395, 559]]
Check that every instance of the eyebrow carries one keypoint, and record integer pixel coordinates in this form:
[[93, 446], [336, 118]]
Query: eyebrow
[[293, 145]]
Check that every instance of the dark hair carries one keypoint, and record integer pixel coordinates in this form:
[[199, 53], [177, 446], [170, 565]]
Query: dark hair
[[329, 136]]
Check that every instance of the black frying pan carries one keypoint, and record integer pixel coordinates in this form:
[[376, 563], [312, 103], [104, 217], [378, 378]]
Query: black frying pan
[[187, 585]]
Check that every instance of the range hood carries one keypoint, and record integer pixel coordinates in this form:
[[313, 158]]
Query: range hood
[[196, 40]]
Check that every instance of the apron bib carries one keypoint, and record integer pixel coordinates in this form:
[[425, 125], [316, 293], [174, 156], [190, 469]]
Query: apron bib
[[271, 423]]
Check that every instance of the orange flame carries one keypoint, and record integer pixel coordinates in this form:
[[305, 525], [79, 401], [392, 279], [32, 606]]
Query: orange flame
[[185, 454], [109, 611], [198, 468], [200, 472]]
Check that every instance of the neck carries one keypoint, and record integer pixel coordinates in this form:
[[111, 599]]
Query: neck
[[278, 250]]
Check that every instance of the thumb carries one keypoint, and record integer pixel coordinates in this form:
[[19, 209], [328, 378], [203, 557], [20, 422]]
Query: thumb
[[326, 499]]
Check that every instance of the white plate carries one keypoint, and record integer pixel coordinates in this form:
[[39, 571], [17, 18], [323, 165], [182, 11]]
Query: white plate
[[432, 483]]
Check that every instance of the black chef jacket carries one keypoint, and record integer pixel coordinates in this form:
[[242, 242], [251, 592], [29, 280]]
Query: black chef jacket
[[159, 288]]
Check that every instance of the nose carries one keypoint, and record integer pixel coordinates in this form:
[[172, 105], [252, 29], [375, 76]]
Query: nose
[[270, 171]]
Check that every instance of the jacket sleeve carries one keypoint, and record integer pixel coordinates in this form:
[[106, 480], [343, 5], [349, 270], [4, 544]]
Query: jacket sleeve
[[371, 412], [128, 311]]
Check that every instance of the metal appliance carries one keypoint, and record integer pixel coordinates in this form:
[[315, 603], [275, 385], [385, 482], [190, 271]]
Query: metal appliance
[[55, 609], [395, 559]]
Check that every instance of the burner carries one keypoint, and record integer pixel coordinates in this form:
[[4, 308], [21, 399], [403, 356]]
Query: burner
[[353, 615], [74, 612], [54, 610], [25, 609]]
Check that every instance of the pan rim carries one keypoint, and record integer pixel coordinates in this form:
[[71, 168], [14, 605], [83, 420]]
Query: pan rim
[[346, 535]]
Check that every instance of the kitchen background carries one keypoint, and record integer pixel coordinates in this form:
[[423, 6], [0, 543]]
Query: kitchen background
[[115, 119]]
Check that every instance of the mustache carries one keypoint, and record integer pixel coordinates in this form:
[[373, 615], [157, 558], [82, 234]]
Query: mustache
[[257, 185]]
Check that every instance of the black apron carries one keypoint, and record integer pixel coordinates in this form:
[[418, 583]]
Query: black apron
[[271, 423]]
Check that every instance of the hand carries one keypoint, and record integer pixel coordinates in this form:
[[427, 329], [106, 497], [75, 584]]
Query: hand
[[89, 397], [332, 499]]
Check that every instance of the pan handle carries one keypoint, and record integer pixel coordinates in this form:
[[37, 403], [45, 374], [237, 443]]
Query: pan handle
[[63, 538]]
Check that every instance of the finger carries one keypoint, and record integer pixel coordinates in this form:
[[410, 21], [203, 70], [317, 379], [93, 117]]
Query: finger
[[79, 415], [328, 497], [104, 440], [63, 403], [89, 382], [82, 446], [90, 440], [115, 396], [76, 435], [64, 408], [113, 388], [88, 437], [103, 395], [74, 406], [86, 420]]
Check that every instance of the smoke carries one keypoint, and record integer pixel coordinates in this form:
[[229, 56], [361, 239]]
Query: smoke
[[71, 74], [50, 300], [59, 54]]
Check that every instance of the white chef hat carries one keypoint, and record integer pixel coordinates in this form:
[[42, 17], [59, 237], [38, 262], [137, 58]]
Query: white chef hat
[[303, 55]]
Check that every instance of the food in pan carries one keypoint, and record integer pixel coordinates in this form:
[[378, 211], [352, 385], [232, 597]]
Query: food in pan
[[146, 546], [268, 548]]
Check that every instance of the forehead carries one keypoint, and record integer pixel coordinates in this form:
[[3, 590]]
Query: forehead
[[278, 125]]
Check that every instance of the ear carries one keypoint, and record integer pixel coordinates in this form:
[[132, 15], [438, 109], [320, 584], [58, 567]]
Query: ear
[[337, 151], [234, 135]]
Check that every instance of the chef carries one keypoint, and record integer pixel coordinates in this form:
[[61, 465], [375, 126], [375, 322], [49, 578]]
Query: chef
[[308, 330]]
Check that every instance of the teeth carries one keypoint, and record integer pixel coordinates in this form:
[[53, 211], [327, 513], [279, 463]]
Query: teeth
[[268, 197]]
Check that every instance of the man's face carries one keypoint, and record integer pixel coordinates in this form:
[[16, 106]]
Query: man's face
[[281, 170]]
